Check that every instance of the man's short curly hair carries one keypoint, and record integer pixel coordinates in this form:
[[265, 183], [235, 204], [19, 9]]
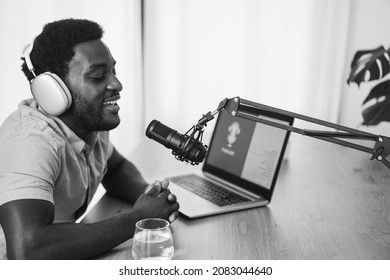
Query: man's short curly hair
[[54, 47]]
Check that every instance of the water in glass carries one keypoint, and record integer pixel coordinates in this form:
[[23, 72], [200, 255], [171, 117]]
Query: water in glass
[[153, 240]]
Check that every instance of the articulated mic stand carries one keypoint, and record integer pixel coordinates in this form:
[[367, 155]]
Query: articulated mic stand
[[250, 110]]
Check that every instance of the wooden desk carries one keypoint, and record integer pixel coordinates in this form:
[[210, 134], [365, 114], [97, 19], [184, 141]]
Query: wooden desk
[[330, 202]]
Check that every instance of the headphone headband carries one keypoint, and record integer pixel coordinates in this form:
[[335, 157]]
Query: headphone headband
[[26, 55]]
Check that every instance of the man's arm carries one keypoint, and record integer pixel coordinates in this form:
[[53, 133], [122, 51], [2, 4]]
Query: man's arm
[[123, 179], [30, 232]]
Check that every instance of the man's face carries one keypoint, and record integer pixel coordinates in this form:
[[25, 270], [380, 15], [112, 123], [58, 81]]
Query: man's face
[[95, 88]]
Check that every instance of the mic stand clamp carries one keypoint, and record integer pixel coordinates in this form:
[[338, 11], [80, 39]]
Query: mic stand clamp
[[196, 133]]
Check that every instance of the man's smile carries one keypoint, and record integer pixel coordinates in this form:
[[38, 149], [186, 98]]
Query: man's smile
[[111, 104]]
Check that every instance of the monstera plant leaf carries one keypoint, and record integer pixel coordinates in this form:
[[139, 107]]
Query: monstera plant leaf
[[369, 65], [380, 110]]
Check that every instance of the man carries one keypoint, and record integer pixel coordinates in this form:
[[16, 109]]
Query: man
[[51, 166]]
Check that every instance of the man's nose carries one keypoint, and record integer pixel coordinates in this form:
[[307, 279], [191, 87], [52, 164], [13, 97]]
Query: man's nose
[[115, 84]]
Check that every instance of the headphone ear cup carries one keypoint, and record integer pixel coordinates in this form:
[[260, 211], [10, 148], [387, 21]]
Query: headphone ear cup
[[51, 93]]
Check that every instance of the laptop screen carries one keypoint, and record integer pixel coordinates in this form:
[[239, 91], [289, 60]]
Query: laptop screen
[[247, 153]]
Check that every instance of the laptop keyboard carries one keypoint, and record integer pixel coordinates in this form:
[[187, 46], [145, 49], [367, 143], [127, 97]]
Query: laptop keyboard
[[208, 190]]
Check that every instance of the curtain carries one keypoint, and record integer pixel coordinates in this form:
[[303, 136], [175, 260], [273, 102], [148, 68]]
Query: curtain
[[22, 20], [282, 53]]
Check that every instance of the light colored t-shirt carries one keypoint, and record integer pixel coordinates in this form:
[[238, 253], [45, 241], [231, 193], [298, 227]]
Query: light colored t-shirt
[[41, 158]]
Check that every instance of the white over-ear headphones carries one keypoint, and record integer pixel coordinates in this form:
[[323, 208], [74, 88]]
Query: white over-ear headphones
[[50, 92]]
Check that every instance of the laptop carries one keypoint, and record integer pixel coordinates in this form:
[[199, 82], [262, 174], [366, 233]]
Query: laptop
[[242, 163]]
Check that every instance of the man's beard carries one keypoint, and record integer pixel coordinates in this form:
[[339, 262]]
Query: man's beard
[[90, 118]]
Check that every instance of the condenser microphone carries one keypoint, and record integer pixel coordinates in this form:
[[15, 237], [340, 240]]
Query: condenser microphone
[[184, 147]]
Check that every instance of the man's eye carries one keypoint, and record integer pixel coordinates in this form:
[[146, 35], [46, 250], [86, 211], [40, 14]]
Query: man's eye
[[99, 78]]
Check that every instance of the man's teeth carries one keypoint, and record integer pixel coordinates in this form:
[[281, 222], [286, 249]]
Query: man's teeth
[[110, 103]]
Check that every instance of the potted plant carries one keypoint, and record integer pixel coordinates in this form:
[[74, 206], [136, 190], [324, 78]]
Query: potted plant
[[370, 65]]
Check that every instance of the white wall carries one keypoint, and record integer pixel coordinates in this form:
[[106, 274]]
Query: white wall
[[369, 28]]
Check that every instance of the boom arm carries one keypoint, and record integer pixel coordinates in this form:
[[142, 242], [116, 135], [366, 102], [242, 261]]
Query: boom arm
[[245, 109]]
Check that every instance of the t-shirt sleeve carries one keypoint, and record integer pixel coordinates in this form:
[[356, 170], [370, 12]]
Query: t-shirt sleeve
[[29, 166]]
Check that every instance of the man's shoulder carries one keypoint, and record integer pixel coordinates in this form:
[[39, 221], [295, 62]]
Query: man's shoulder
[[28, 124]]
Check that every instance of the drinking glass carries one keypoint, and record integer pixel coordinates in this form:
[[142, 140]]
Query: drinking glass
[[153, 240]]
